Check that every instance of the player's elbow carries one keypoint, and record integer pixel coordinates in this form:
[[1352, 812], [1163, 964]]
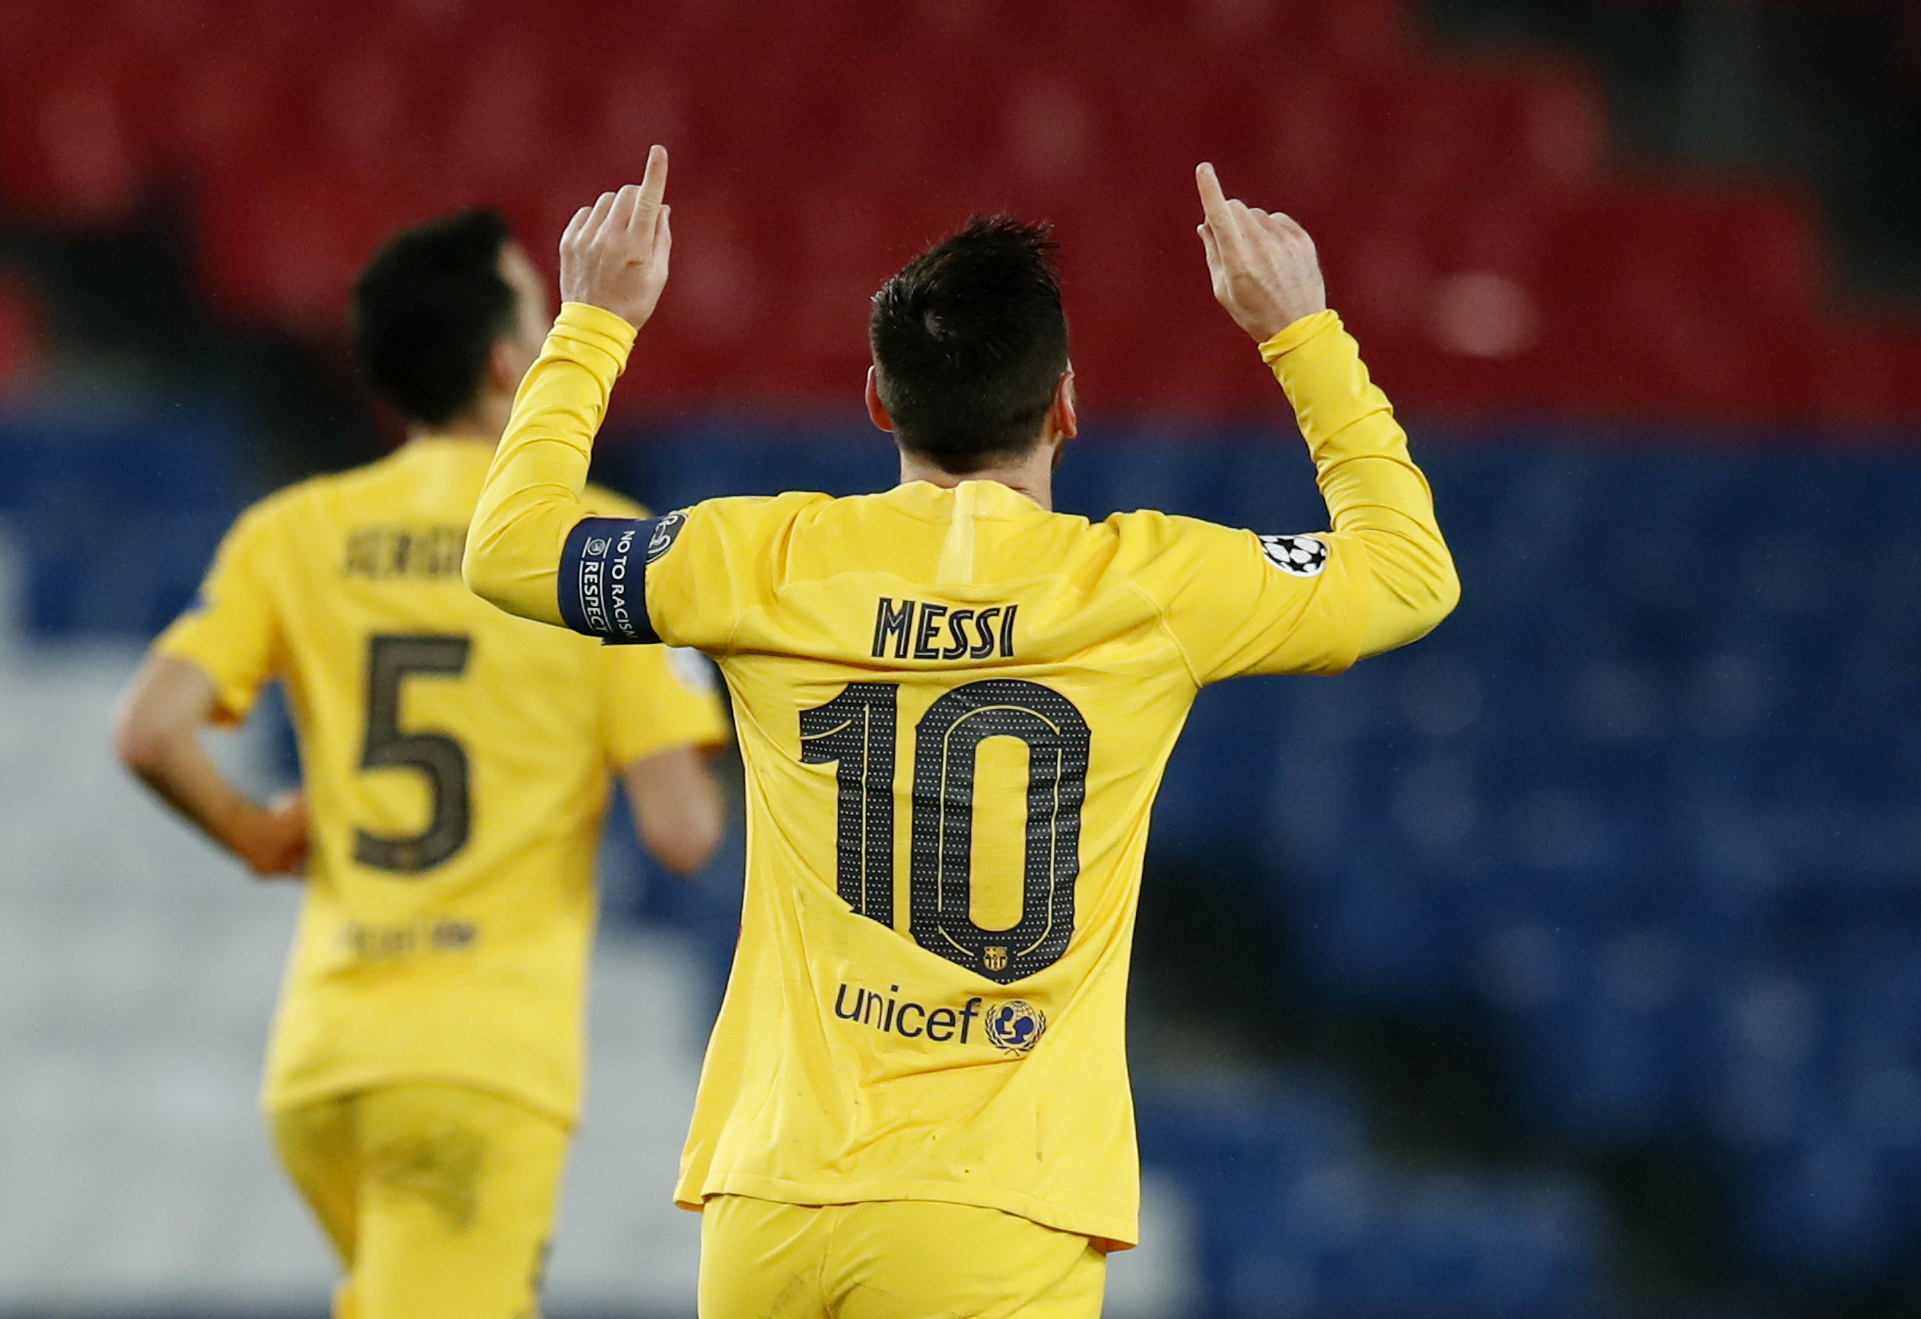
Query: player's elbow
[[1445, 590], [498, 577], [508, 564], [484, 568], [141, 741], [160, 713], [686, 842], [1414, 593], [680, 813], [1428, 597]]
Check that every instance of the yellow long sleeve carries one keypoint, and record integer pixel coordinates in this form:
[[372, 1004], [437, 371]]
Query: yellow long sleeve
[[532, 496], [1373, 490]]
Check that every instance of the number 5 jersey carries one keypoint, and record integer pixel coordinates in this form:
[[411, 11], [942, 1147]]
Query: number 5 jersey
[[455, 763], [954, 708]]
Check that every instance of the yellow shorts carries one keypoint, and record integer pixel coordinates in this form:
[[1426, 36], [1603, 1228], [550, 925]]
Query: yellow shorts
[[890, 1259], [438, 1198]]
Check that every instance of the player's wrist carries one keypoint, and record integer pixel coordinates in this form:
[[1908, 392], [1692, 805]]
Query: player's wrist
[[593, 336], [243, 824], [1297, 332], [577, 313]]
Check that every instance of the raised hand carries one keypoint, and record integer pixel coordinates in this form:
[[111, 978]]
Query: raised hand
[[275, 841], [1263, 264], [614, 253]]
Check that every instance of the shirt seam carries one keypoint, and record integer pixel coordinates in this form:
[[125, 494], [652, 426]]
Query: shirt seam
[[826, 1192], [279, 1096], [1160, 620]]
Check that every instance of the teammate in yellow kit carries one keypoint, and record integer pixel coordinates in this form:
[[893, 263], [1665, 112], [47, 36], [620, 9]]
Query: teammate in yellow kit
[[955, 706], [425, 1063]]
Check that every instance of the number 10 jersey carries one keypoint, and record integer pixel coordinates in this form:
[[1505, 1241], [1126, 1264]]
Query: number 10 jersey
[[954, 708]]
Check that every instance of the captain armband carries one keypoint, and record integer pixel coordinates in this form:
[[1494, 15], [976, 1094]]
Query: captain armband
[[602, 585]]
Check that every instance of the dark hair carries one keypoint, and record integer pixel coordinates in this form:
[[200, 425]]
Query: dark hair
[[970, 342], [428, 309]]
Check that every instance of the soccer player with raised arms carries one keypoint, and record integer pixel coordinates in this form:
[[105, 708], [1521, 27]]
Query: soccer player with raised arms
[[955, 706], [425, 1064]]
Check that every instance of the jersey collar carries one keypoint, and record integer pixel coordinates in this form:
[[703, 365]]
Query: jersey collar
[[989, 498]]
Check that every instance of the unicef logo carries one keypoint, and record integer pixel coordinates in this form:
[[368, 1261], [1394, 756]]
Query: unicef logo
[[1015, 1025]]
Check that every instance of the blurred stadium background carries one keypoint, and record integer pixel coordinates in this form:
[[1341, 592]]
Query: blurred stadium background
[[1568, 964]]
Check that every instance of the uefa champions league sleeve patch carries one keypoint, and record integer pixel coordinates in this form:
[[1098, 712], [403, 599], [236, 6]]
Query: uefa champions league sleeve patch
[[667, 529], [1297, 556]]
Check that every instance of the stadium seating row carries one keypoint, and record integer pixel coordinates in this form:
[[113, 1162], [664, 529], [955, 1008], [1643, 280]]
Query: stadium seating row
[[1642, 802], [1645, 802], [1473, 232], [23, 338], [116, 519], [1294, 1223], [138, 971]]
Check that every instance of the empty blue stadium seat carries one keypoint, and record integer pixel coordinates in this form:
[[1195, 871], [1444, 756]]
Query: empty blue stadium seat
[[1671, 720], [1607, 1032], [1431, 1248], [1825, 1205], [115, 519]]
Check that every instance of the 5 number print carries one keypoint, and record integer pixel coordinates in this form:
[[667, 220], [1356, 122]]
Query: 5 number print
[[390, 659]]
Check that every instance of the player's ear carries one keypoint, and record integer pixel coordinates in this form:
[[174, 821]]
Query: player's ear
[[506, 364], [1062, 418], [877, 410]]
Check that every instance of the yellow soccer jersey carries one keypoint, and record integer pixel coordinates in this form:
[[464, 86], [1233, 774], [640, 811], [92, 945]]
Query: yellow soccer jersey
[[954, 708], [455, 763]]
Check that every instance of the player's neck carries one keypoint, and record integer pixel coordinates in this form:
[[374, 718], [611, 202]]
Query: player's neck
[[484, 424], [1033, 476], [454, 431]]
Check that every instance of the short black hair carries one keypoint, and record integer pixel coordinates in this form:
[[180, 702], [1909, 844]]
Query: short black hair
[[970, 342], [428, 309]]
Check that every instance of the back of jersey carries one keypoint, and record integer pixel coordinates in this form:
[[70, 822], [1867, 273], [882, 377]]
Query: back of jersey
[[455, 761], [955, 709]]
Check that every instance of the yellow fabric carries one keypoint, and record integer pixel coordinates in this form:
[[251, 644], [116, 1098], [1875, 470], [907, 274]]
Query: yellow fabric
[[437, 1199], [886, 1259], [968, 1044], [409, 965]]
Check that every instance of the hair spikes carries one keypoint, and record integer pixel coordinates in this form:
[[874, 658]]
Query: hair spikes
[[970, 340]]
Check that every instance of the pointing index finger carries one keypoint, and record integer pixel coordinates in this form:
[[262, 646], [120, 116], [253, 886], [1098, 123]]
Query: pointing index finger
[[1213, 201], [653, 184]]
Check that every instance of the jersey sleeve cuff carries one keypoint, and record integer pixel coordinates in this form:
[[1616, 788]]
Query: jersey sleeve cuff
[[596, 330], [1277, 346], [233, 697]]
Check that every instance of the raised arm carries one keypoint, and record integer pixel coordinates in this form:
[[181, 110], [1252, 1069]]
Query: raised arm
[[1267, 276], [613, 266]]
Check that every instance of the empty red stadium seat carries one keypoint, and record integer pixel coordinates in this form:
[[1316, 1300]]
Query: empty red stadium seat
[[1471, 232], [1314, 129], [69, 149], [230, 103], [23, 337], [1866, 374]]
